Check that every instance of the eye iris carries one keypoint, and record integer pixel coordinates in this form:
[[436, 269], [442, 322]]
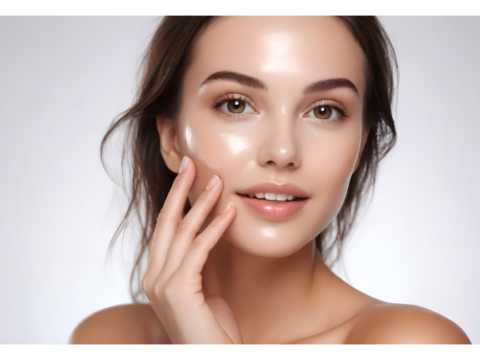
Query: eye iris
[[236, 106], [323, 112]]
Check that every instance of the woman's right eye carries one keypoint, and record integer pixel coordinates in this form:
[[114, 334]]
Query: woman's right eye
[[236, 106]]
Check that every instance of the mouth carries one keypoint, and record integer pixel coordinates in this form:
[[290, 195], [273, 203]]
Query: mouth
[[274, 206], [273, 198]]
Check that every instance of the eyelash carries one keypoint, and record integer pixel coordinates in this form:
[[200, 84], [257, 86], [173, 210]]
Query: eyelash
[[343, 112], [233, 96]]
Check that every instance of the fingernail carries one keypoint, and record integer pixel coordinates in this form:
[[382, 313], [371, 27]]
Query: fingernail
[[184, 163], [213, 180], [228, 207]]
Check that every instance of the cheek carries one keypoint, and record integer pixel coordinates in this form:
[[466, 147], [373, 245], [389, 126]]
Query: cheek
[[331, 156], [217, 149]]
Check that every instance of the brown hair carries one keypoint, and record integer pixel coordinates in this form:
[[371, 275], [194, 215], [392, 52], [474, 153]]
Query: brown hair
[[164, 65]]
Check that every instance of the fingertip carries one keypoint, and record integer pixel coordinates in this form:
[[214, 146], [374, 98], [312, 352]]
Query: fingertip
[[212, 182], [229, 205], [184, 164], [187, 171]]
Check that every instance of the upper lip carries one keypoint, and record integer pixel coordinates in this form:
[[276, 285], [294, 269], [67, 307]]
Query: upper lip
[[289, 189]]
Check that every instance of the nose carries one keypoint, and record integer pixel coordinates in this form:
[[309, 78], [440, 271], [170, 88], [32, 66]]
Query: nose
[[279, 147]]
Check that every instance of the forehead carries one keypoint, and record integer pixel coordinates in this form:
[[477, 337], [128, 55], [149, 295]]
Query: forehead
[[300, 49]]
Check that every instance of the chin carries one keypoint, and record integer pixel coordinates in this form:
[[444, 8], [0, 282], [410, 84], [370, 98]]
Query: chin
[[275, 240]]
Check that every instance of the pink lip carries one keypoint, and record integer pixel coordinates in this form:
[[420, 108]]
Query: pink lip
[[271, 210]]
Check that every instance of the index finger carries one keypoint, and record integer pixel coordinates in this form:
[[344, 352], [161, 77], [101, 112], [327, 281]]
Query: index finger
[[170, 216]]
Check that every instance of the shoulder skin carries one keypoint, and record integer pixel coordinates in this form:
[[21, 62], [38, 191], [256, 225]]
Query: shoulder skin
[[382, 324], [124, 324], [404, 324]]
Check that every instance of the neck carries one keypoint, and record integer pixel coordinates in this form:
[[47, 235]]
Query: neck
[[259, 289]]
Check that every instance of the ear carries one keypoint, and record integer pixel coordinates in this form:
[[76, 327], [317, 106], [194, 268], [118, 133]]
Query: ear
[[365, 133], [168, 144]]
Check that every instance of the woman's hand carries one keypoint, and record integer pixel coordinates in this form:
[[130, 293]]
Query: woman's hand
[[189, 312]]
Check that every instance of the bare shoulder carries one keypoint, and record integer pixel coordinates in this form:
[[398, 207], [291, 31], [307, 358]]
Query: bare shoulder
[[387, 323], [123, 324]]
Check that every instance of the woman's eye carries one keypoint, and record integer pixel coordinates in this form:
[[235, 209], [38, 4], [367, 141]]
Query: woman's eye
[[323, 112], [236, 106]]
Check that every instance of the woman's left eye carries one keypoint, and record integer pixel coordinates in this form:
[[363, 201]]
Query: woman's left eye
[[236, 106], [324, 112]]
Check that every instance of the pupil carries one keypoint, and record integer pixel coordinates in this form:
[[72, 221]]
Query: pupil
[[236, 106], [323, 112]]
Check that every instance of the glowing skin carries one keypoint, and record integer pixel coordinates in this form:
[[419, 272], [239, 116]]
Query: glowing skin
[[274, 139], [278, 47], [273, 284]]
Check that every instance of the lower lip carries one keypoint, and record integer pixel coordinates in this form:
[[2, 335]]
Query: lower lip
[[274, 211]]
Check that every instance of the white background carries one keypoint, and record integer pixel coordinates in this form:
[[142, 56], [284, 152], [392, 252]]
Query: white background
[[63, 80]]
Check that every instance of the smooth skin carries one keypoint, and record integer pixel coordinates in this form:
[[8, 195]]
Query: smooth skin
[[223, 274]]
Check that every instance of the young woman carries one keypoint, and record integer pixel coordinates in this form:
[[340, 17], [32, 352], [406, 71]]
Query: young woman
[[275, 127]]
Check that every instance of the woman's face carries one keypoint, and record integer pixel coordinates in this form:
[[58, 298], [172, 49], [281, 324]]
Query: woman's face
[[274, 105]]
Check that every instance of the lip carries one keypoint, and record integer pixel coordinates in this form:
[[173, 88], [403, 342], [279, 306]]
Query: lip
[[271, 210]]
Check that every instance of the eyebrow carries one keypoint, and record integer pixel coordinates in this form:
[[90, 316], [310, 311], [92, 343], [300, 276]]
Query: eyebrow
[[321, 85], [237, 77], [330, 84]]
